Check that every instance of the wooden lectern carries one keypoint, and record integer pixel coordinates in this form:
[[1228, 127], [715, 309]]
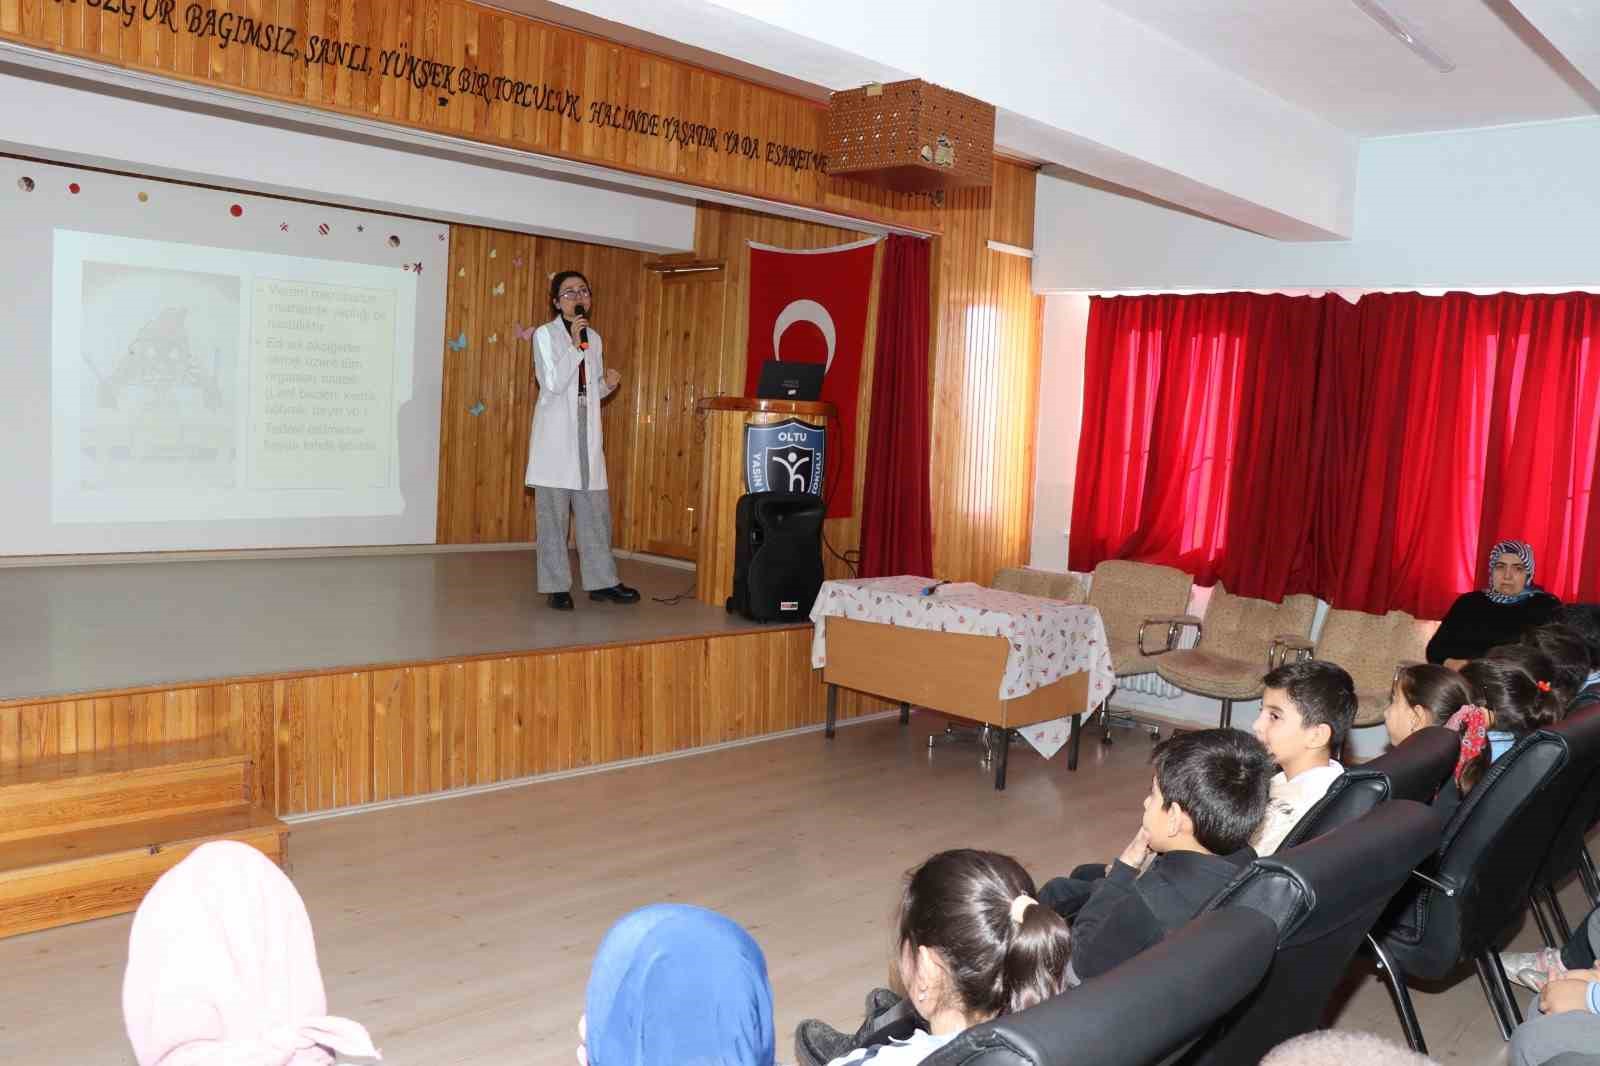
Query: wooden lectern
[[722, 476]]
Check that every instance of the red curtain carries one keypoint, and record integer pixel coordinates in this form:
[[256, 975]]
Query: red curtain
[[1196, 409], [1368, 454], [896, 517]]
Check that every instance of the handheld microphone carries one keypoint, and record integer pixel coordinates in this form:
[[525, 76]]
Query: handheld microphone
[[583, 331]]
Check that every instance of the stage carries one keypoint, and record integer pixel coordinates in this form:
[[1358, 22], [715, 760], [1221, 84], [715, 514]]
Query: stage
[[74, 629], [360, 678]]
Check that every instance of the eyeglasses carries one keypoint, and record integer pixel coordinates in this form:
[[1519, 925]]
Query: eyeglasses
[[580, 294]]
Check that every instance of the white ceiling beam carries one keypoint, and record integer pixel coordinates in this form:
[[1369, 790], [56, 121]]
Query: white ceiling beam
[[1077, 84], [1572, 27]]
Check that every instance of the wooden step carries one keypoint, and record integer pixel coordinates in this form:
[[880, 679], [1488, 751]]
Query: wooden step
[[104, 789], [91, 873]]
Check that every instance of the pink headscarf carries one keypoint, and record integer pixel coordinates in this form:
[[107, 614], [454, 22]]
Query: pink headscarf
[[222, 970]]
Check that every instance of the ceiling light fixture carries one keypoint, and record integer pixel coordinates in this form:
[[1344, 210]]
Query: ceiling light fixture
[[1406, 34]]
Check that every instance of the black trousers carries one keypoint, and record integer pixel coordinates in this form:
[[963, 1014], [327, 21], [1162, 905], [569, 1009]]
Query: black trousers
[[1067, 895]]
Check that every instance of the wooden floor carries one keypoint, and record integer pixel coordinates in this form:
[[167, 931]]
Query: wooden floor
[[116, 626], [460, 931]]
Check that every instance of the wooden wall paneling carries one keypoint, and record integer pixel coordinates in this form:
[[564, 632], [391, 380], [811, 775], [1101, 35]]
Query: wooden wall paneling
[[985, 366], [289, 712], [499, 281], [721, 234], [984, 358], [394, 762], [679, 360], [508, 709], [345, 738], [475, 37]]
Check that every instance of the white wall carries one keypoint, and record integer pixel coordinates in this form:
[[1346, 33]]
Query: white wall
[[103, 129], [1066, 321], [1514, 206]]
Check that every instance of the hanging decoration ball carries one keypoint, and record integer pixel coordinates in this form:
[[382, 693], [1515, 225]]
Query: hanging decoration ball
[[74, 189], [144, 197], [394, 241], [236, 210], [25, 183]]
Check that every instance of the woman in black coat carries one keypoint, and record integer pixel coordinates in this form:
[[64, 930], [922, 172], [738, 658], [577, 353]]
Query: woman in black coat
[[1499, 614]]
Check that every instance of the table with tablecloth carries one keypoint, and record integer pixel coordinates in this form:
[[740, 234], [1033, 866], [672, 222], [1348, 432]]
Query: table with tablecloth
[[910, 638]]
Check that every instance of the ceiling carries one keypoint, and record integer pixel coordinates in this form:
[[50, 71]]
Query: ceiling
[[1328, 57]]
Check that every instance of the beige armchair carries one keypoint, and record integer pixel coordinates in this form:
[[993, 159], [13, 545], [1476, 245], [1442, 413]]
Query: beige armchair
[[1136, 602], [1371, 647], [1238, 641], [1045, 583]]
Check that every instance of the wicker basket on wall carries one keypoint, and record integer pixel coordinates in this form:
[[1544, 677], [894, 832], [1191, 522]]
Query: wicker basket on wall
[[911, 136]]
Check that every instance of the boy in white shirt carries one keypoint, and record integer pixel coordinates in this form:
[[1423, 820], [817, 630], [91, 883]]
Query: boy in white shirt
[[1306, 711]]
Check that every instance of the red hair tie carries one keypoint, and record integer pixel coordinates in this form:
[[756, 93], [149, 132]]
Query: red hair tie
[[1544, 686], [1473, 724]]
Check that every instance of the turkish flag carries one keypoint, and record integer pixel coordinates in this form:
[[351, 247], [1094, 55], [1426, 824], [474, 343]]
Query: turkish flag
[[811, 307]]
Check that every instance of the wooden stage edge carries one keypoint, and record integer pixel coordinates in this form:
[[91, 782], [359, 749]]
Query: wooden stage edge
[[328, 739]]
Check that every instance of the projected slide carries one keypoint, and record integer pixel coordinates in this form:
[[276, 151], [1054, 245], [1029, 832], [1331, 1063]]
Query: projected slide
[[195, 384]]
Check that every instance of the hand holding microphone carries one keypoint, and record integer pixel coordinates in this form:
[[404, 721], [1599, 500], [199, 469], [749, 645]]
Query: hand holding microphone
[[580, 323]]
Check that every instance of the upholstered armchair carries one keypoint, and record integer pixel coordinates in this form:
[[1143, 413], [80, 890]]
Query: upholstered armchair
[[1136, 602], [1043, 583], [1236, 643], [1370, 647]]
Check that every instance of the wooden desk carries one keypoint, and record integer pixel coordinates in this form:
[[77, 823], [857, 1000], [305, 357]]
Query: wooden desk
[[956, 673]]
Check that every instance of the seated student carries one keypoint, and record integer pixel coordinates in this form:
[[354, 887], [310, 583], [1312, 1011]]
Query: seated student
[[973, 944], [1423, 695], [1564, 1030], [1207, 798], [675, 983], [1508, 703], [1535, 969], [222, 968], [1583, 619], [1306, 711], [1564, 673], [1566, 1017], [1569, 652]]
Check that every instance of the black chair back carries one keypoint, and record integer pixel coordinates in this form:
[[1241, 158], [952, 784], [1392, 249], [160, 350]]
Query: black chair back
[[1352, 794], [1584, 809], [1487, 858], [1195, 975], [1420, 764], [1324, 897]]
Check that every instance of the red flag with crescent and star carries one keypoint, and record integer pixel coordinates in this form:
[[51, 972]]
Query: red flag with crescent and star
[[810, 306]]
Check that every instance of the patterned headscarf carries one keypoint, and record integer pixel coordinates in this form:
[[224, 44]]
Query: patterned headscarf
[[1522, 551]]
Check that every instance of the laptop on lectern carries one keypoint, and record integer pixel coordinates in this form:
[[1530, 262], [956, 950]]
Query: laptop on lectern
[[789, 381]]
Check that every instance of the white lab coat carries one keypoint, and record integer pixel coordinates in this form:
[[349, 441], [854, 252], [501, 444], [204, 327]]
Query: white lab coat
[[553, 443]]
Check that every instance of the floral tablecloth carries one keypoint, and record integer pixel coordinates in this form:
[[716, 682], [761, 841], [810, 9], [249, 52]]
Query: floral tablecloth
[[1049, 639]]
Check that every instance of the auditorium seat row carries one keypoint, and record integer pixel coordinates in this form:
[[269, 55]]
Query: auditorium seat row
[[1370, 866]]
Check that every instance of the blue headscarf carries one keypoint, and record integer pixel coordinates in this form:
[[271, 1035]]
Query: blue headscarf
[[675, 985], [1522, 551]]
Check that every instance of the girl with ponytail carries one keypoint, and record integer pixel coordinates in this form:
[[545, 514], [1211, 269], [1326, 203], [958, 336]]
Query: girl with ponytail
[[973, 944], [1512, 697]]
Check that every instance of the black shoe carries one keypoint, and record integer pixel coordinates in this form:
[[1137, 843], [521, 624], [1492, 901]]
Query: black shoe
[[878, 1001], [818, 1043], [561, 601], [618, 593]]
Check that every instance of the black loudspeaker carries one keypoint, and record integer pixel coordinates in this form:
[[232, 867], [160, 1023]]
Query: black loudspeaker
[[777, 561]]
